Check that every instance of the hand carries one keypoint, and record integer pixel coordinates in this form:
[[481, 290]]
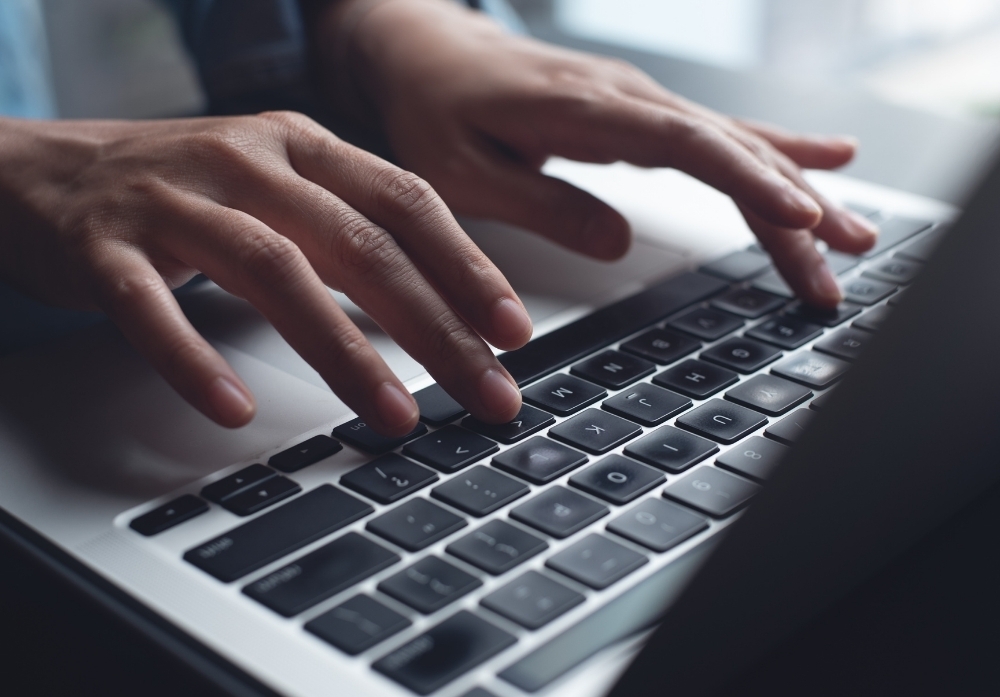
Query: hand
[[476, 112], [111, 215]]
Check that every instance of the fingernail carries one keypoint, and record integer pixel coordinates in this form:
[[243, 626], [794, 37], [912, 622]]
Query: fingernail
[[395, 407], [230, 403], [803, 201], [511, 322], [862, 224], [498, 396], [824, 286]]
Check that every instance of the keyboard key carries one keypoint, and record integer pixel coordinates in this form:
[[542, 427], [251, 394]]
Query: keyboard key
[[712, 491], [596, 561], [847, 343], [442, 653], [539, 460], [357, 624], [617, 479], [261, 496], [748, 302], [559, 512], [658, 524], [722, 421], [647, 404], [429, 585], [451, 448], [532, 600], [774, 284], [595, 431], [873, 319], [529, 420], [222, 489], [895, 230], [362, 437], [791, 428], [306, 453], [168, 515], [437, 407], [318, 575], [769, 394], [707, 324], [838, 262], [811, 369], [868, 291], [741, 355], [896, 299], [480, 490], [696, 379], [823, 316], [671, 449], [389, 478], [788, 332], [820, 402], [311, 516], [563, 394], [478, 692], [613, 369], [738, 266], [497, 547], [756, 458], [923, 248], [661, 346], [898, 271], [415, 524]]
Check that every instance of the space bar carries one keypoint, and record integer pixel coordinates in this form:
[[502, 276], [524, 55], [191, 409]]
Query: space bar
[[629, 613]]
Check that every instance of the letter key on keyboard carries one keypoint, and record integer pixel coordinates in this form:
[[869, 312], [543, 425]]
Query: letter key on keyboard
[[563, 394], [613, 369], [595, 431], [532, 600], [596, 561], [617, 479], [722, 421], [497, 547], [696, 379], [539, 460], [646, 404]]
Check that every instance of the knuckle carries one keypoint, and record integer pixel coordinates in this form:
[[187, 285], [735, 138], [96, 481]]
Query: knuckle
[[403, 193], [270, 259], [449, 340], [121, 290], [363, 248]]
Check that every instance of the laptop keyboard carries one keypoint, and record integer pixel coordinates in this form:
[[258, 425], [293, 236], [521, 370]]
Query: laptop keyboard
[[641, 435]]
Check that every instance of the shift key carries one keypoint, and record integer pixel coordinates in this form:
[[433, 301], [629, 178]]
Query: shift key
[[247, 548]]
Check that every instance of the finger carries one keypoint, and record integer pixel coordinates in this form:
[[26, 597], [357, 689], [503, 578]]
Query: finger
[[135, 297], [810, 151]]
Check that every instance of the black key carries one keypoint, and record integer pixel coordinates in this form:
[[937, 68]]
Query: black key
[[437, 407], [429, 585], [769, 394], [756, 458], [532, 600], [647, 404], [787, 331], [559, 512], [595, 431], [873, 319], [922, 249], [898, 271], [671, 449], [774, 284], [480, 490], [791, 428], [415, 524], [539, 460], [897, 298], [357, 624], [821, 401], [712, 491], [563, 394], [661, 346], [722, 421], [311, 516], [742, 355], [658, 524], [893, 231], [868, 291], [318, 575], [847, 343], [596, 561], [442, 653], [529, 420], [222, 489], [707, 324], [617, 479], [361, 436], [738, 266], [838, 262], [613, 369], [748, 302], [306, 453], [478, 692], [497, 547], [811, 369], [259, 497], [168, 515], [388, 478], [696, 379], [822, 315], [451, 448]]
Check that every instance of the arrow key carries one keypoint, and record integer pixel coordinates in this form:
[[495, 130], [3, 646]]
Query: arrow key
[[451, 448], [261, 496]]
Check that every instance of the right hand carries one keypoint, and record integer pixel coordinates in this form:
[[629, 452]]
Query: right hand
[[273, 208]]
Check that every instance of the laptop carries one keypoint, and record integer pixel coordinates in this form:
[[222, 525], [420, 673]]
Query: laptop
[[686, 423]]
